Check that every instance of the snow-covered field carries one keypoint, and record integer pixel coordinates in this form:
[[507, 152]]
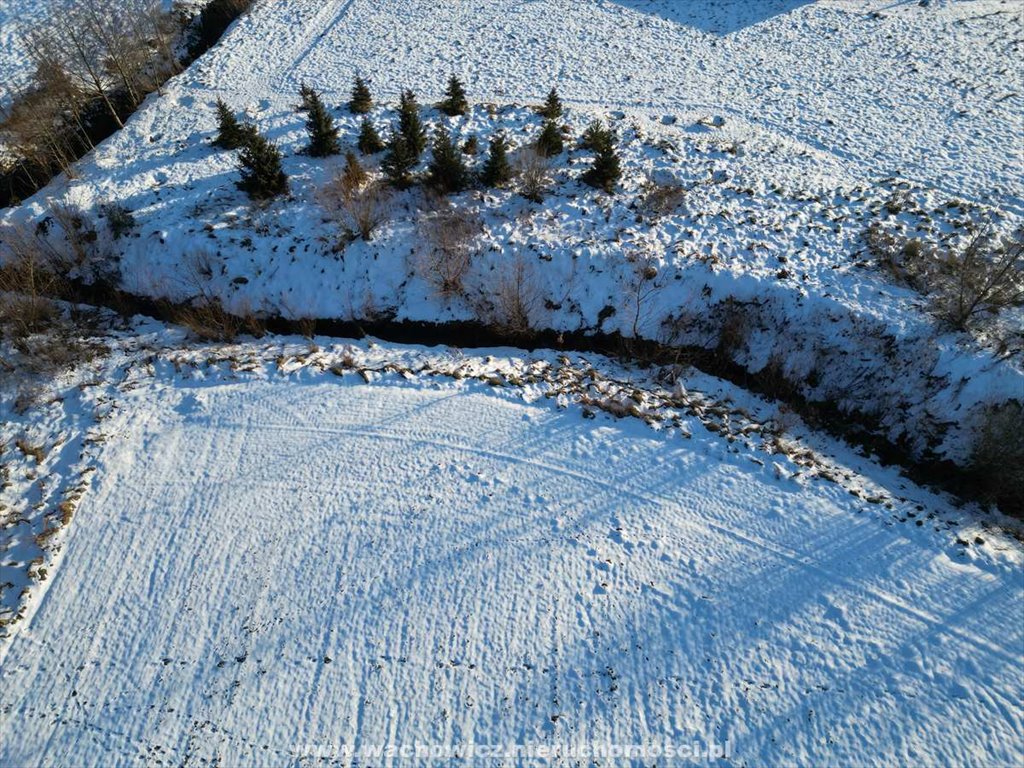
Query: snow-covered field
[[927, 93], [280, 565], [834, 113], [276, 553]]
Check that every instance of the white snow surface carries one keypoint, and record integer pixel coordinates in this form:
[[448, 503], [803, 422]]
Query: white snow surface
[[275, 566], [928, 93], [830, 111]]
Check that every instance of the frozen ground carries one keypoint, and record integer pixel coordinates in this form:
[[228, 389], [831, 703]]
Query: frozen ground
[[928, 93], [835, 113], [275, 565]]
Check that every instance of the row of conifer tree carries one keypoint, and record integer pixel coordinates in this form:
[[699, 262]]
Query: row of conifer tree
[[263, 176]]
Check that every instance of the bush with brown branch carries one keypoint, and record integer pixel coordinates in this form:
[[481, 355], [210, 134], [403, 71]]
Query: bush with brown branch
[[967, 286], [516, 301], [534, 173], [450, 235], [355, 203]]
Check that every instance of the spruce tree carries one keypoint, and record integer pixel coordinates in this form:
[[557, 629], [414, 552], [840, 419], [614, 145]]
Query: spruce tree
[[370, 142], [399, 161], [552, 108], [323, 133], [231, 133], [447, 171], [262, 175], [455, 102], [410, 125], [362, 100], [306, 94], [606, 169], [550, 142], [471, 146], [497, 170], [596, 136]]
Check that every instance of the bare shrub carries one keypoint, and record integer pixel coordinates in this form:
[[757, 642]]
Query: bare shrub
[[908, 262], [450, 235], [80, 233], [980, 280], [516, 299], [120, 221], [207, 319], [662, 199], [997, 456], [30, 278], [356, 205], [733, 327], [534, 173], [204, 314], [967, 285], [46, 336]]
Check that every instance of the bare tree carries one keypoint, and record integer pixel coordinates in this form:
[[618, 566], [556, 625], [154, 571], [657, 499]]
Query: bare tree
[[642, 287]]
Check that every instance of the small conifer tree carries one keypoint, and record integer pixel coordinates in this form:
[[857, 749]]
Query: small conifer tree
[[399, 161], [231, 133], [370, 142], [262, 175], [550, 142], [497, 170], [471, 146], [455, 102], [552, 108], [447, 172], [305, 97], [606, 169], [596, 136], [410, 125], [362, 100], [323, 133]]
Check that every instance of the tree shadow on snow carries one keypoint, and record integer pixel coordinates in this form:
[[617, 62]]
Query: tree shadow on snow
[[717, 17]]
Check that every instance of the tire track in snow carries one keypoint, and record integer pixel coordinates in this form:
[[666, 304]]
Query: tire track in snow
[[748, 540], [319, 28]]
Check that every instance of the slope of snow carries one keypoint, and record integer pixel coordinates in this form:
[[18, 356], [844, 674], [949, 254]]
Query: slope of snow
[[292, 569], [830, 110]]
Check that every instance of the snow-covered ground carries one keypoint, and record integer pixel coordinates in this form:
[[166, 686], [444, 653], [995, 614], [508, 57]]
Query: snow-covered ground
[[834, 113], [17, 18], [282, 561], [271, 553], [928, 93]]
